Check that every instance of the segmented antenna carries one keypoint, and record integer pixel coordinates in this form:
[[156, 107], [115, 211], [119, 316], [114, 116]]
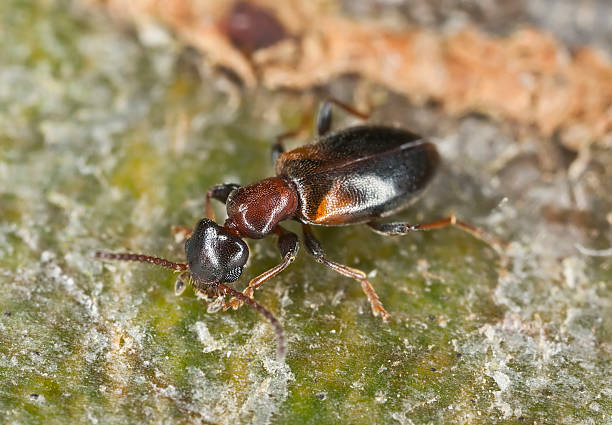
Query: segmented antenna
[[280, 334], [142, 259]]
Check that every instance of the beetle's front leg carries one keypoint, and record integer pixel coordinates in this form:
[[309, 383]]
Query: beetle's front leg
[[288, 245], [220, 192], [314, 247], [181, 233]]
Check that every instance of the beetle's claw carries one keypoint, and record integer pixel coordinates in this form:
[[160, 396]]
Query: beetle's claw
[[380, 310], [248, 292], [236, 303]]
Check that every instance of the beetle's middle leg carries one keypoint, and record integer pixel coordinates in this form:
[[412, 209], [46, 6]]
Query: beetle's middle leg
[[322, 126], [279, 143], [324, 117], [395, 229], [288, 245], [314, 248]]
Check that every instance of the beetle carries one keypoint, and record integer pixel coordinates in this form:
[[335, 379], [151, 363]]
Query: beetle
[[356, 175]]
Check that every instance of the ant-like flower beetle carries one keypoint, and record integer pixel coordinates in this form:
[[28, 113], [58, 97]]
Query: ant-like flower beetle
[[357, 175]]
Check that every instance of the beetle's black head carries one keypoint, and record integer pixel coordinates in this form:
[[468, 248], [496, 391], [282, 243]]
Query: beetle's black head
[[214, 255]]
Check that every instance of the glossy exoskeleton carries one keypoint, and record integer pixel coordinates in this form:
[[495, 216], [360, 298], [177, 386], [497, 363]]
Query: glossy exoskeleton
[[356, 175]]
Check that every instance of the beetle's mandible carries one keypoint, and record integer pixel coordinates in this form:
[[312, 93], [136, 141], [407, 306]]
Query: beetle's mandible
[[357, 175]]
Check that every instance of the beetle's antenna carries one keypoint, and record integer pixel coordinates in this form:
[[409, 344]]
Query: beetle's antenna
[[177, 267], [280, 334]]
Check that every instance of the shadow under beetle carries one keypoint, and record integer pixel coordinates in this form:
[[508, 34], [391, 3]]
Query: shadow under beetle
[[352, 176]]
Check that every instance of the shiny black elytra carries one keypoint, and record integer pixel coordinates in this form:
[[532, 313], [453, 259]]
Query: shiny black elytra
[[356, 175]]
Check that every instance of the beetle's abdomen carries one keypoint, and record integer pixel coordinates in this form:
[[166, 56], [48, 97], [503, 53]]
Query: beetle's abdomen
[[359, 174]]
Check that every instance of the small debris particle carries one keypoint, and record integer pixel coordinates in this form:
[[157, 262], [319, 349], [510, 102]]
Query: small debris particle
[[251, 28], [380, 397]]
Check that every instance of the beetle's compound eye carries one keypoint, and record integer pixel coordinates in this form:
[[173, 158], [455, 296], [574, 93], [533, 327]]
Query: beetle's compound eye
[[214, 255], [233, 275]]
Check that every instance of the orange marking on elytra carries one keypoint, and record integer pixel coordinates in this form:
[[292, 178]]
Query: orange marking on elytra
[[322, 210]]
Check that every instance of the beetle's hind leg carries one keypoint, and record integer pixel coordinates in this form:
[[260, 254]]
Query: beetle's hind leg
[[396, 229], [288, 245], [314, 248]]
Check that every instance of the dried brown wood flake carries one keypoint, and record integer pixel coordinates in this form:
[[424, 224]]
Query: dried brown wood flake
[[527, 77]]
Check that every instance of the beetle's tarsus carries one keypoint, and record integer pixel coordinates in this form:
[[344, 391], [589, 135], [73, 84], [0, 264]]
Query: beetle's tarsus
[[401, 228], [377, 308]]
